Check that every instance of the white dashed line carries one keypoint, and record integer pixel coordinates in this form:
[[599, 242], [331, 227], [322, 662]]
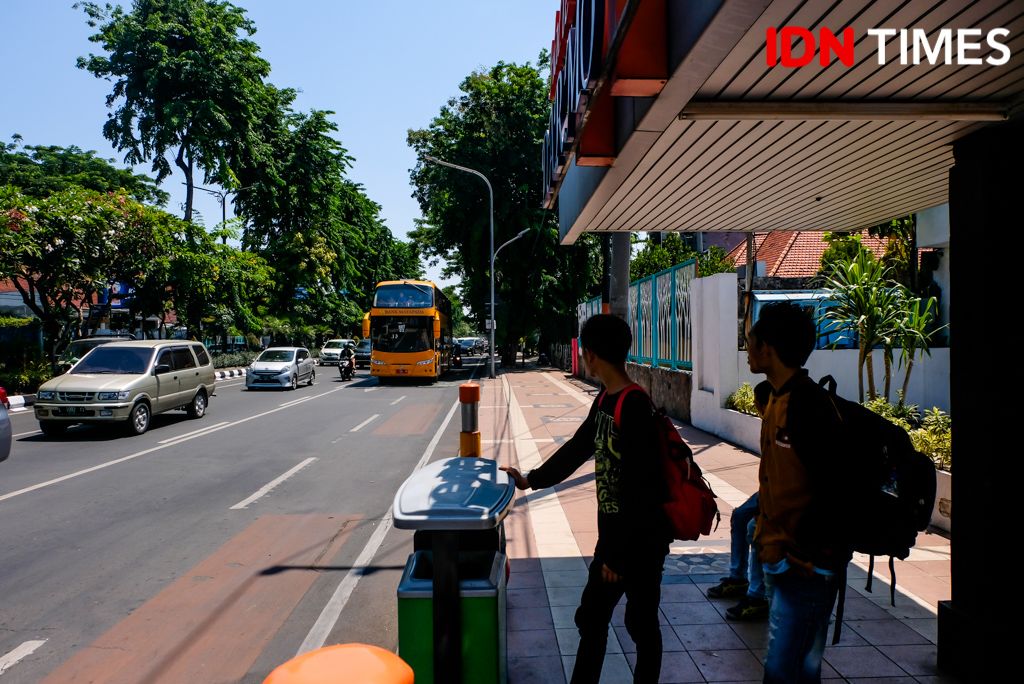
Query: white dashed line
[[263, 491], [366, 422], [26, 649]]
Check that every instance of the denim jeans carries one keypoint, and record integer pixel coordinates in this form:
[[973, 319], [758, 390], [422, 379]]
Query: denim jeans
[[642, 586], [797, 625], [742, 563]]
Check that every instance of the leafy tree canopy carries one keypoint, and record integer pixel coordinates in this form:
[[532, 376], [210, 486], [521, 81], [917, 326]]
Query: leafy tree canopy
[[38, 171], [496, 126]]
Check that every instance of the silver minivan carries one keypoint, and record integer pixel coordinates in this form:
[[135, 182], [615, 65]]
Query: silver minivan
[[128, 382]]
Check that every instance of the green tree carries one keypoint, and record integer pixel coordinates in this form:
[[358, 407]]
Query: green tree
[[188, 82], [653, 258], [842, 248], [460, 326], [62, 249], [496, 126], [41, 170]]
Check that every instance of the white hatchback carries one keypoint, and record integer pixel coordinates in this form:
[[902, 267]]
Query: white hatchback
[[281, 367], [330, 355]]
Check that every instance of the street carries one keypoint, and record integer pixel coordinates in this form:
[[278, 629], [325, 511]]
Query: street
[[212, 550]]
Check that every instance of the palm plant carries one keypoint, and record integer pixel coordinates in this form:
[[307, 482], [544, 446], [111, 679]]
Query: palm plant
[[868, 307], [915, 334]]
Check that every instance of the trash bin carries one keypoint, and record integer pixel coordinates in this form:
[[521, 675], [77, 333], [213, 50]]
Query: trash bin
[[451, 599]]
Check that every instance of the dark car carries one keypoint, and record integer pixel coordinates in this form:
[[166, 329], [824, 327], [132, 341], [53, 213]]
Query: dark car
[[363, 349]]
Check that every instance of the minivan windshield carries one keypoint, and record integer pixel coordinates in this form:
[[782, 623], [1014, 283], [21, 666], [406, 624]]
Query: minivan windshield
[[335, 344], [115, 360], [276, 355]]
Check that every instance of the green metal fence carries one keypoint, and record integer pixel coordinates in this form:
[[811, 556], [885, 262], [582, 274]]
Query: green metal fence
[[659, 316]]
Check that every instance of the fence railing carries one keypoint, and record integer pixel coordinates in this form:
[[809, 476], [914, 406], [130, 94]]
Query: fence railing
[[659, 316]]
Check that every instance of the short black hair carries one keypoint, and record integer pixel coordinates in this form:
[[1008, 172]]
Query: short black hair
[[789, 330], [608, 336]]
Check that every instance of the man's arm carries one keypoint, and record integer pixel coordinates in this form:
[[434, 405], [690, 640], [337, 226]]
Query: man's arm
[[563, 462]]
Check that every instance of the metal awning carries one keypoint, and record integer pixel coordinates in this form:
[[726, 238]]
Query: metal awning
[[732, 144]]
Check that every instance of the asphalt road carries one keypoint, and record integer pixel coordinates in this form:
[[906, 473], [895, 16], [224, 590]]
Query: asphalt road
[[212, 550]]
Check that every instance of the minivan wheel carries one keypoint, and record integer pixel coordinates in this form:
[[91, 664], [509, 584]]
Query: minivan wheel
[[138, 419], [52, 428], [197, 409], [312, 377]]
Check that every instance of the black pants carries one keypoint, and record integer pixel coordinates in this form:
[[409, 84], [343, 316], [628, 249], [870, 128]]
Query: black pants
[[642, 586]]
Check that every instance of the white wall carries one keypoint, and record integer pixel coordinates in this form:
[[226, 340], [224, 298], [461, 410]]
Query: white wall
[[719, 367]]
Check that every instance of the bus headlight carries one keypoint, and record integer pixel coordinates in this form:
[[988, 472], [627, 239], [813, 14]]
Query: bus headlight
[[377, 362], [425, 363]]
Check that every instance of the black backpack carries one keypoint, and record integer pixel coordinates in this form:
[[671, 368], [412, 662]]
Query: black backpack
[[889, 488]]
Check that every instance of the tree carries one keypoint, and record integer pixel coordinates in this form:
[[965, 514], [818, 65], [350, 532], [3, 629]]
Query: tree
[[187, 82], [842, 248], [496, 126], [62, 249], [39, 170], [460, 326]]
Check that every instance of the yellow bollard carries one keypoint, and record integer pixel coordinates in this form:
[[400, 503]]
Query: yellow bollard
[[469, 438], [343, 664]]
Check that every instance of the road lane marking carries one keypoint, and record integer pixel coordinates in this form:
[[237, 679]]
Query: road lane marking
[[194, 432], [234, 384], [30, 432], [366, 422], [317, 636], [371, 389], [265, 489], [26, 649], [296, 401], [398, 399], [101, 466]]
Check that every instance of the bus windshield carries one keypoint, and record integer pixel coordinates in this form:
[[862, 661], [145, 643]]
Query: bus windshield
[[405, 295], [402, 333]]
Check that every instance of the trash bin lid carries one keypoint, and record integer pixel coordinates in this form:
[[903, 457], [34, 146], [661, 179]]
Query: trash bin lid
[[457, 493]]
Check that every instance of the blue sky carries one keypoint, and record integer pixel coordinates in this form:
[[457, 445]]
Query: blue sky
[[383, 66]]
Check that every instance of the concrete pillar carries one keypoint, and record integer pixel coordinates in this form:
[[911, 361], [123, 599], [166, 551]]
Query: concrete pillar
[[986, 205], [618, 294]]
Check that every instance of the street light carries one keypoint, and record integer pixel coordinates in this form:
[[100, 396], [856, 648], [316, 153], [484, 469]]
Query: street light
[[490, 192], [222, 195]]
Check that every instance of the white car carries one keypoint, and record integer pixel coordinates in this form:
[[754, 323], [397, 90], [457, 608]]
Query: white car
[[281, 367], [330, 355]]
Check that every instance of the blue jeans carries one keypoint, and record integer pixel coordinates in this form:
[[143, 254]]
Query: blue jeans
[[797, 625], [742, 563]]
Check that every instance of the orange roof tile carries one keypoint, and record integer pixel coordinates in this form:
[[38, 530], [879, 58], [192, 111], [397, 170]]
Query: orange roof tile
[[794, 254]]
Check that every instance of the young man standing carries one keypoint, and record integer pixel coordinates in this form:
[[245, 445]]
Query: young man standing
[[799, 526], [633, 533]]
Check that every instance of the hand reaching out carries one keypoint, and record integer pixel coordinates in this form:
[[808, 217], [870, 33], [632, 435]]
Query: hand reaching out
[[517, 477]]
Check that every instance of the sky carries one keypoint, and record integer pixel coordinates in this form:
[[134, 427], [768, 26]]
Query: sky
[[383, 67]]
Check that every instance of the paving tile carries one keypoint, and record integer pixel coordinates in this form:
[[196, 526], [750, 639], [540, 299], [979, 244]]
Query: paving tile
[[882, 680], [564, 596], [703, 637], [862, 661], [676, 668], [915, 660], [619, 615], [535, 670], [887, 632], [529, 618], [728, 666], [675, 579], [615, 670], [938, 679], [752, 634], [569, 641], [681, 593], [691, 613], [848, 637], [563, 616], [527, 598], [566, 578], [669, 640], [859, 608], [525, 565], [926, 627], [526, 580], [536, 642]]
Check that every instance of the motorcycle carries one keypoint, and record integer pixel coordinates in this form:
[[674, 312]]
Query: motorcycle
[[347, 368]]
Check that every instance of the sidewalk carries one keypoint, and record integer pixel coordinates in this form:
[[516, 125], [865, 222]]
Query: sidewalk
[[526, 415]]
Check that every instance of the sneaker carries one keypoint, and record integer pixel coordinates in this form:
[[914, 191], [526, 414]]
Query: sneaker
[[728, 587], [748, 610]]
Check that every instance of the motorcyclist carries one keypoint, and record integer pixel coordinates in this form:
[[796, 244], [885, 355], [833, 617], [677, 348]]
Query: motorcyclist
[[348, 362]]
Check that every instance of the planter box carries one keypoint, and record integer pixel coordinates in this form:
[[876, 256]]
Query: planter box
[[942, 514], [741, 429]]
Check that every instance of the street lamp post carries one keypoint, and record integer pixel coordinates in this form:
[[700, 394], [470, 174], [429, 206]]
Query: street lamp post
[[222, 195], [490, 193]]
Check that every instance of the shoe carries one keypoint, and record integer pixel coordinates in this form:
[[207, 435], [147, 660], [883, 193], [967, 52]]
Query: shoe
[[728, 587], [748, 610]]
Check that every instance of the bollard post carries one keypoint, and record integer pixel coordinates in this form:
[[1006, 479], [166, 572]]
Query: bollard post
[[469, 438], [343, 664]]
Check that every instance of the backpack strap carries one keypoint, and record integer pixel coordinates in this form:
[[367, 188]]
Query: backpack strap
[[840, 603], [622, 397]]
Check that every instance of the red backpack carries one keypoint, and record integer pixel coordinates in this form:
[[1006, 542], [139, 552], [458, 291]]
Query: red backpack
[[691, 506]]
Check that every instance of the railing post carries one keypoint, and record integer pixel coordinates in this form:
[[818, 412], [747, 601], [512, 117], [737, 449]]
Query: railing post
[[673, 321], [469, 438], [655, 332]]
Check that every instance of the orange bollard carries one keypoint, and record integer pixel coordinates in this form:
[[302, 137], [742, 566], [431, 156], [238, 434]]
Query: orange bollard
[[469, 438], [343, 664]]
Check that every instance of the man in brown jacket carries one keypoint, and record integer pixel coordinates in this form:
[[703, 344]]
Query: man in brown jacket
[[798, 533]]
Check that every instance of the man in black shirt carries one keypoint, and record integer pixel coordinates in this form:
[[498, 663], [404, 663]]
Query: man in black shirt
[[633, 533]]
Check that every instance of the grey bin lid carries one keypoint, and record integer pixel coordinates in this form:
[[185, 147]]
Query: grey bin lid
[[454, 494]]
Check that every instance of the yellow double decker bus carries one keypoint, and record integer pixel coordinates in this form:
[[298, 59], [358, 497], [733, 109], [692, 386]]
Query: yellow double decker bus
[[410, 329]]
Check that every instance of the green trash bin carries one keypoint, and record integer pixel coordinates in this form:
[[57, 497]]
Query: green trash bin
[[482, 605], [451, 600]]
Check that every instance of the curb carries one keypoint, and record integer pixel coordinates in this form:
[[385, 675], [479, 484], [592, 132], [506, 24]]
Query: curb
[[22, 400], [233, 373]]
